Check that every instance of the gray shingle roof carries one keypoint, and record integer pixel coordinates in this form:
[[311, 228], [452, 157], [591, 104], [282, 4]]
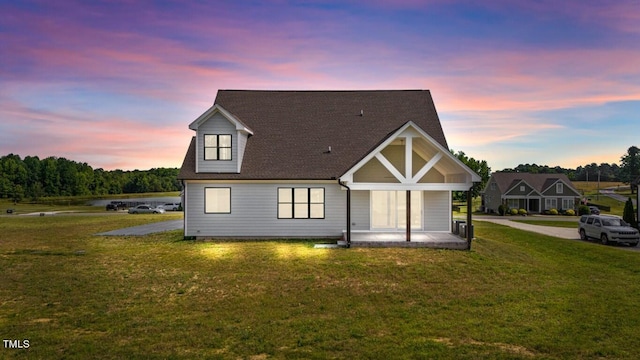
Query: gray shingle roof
[[540, 182], [294, 129]]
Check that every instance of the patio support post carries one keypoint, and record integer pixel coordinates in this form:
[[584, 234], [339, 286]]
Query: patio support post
[[469, 225], [408, 215], [348, 212]]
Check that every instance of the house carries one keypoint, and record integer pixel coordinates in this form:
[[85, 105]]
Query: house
[[319, 164], [535, 193]]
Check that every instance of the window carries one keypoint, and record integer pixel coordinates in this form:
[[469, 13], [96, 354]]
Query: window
[[559, 188], [300, 203], [513, 203], [567, 204], [217, 200], [493, 186], [522, 188], [550, 204], [217, 147]]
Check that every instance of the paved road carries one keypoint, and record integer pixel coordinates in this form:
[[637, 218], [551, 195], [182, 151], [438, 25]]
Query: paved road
[[146, 229], [610, 193]]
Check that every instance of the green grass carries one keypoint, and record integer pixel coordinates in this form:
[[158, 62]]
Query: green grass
[[516, 295]]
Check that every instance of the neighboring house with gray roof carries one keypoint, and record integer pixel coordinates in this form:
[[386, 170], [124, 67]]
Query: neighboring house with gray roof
[[310, 164], [535, 193]]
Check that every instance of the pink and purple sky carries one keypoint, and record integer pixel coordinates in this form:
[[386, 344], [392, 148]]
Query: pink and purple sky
[[116, 83]]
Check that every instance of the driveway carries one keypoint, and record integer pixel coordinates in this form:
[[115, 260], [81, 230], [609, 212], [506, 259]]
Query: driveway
[[146, 229], [563, 233], [560, 232]]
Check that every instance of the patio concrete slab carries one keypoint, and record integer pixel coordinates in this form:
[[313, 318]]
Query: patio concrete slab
[[146, 229], [434, 240]]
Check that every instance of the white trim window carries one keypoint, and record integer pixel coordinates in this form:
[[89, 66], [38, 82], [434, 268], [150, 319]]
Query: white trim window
[[550, 203], [217, 147], [559, 188], [300, 203], [217, 200], [513, 203], [568, 204]]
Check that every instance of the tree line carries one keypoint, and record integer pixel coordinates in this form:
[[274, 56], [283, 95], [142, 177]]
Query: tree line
[[627, 172], [33, 178]]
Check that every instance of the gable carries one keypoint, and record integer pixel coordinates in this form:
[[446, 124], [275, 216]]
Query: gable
[[413, 158], [294, 130], [519, 188], [557, 187]]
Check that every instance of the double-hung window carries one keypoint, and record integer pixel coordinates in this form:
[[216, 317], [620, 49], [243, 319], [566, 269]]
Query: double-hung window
[[300, 203], [550, 203], [217, 147]]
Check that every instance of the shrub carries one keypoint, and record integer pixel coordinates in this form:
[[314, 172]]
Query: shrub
[[629, 214], [522, 212], [553, 212], [514, 211], [502, 210], [584, 210], [570, 212]]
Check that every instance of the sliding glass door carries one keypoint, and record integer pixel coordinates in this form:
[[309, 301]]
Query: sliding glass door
[[389, 210]]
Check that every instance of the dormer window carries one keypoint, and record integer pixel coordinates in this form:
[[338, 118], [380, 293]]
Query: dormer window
[[217, 147]]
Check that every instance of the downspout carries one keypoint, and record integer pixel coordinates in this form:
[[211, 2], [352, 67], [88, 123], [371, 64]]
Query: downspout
[[348, 212], [469, 224]]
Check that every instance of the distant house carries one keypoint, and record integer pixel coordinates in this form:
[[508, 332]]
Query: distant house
[[535, 193], [310, 164]]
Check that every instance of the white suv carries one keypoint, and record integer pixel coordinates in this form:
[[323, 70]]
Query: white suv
[[607, 229]]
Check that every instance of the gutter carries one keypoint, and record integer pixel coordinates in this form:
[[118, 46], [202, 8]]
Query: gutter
[[348, 212]]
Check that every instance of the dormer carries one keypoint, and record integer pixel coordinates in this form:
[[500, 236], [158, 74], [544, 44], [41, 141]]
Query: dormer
[[220, 141]]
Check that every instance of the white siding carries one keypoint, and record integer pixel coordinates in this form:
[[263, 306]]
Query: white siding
[[254, 213], [360, 210], [242, 144], [437, 211], [218, 124]]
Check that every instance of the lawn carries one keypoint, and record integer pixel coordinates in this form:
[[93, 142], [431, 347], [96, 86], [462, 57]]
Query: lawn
[[516, 295]]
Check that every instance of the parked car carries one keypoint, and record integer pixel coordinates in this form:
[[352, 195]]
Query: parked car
[[594, 210], [171, 206], [116, 205], [607, 228], [146, 209]]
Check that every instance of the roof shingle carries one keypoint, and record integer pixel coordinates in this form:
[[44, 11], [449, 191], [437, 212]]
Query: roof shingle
[[294, 129]]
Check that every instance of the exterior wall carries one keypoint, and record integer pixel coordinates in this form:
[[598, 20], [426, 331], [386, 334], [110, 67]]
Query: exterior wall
[[374, 171], [242, 144], [432, 176], [218, 124], [492, 197], [516, 190], [437, 210], [566, 191], [254, 212], [360, 210]]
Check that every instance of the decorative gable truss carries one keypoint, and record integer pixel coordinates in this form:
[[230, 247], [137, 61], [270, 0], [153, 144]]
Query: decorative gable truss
[[410, 159], [218, 121]]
